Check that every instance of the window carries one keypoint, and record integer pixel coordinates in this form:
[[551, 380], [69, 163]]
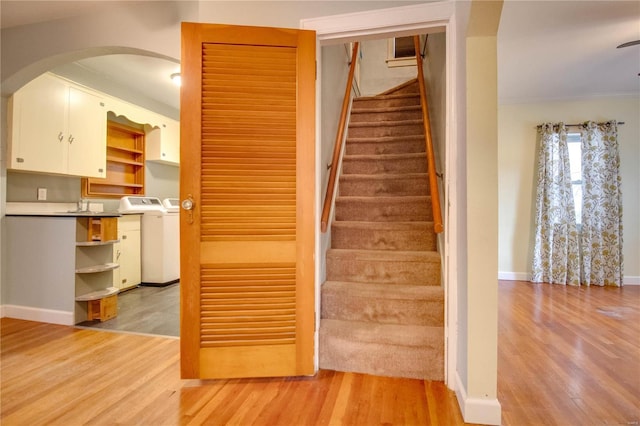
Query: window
[[574, 146], [401, 52]]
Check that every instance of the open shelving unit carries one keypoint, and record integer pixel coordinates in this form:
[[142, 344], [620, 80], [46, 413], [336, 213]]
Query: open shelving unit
[[125, 164], [95, 296]]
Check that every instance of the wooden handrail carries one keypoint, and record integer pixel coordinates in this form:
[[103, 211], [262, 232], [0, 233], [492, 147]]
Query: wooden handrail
[[337, 148], [431, 164]]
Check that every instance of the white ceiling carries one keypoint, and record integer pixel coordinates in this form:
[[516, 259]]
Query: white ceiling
[[567, 50], [546, 50]]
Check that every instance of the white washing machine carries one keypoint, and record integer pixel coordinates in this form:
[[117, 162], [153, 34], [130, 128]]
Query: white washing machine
[[159, 239]]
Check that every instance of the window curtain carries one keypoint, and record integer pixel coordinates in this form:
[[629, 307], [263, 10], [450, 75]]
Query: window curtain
[[601, 241], [556, 253]]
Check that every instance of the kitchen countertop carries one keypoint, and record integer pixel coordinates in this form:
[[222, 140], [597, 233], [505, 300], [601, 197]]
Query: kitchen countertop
[[67, 214], [57, 210]]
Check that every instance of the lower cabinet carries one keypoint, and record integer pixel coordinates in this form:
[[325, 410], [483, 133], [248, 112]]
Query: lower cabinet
[[126, 253], [59, 267]]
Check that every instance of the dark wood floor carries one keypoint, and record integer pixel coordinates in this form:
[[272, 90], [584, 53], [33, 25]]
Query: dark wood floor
[[147, 310], [567, 356]]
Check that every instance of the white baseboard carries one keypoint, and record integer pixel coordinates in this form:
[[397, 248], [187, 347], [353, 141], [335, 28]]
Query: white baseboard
[[525, 276], [36, 314], [477, 410], [631, 280], [514, 276]]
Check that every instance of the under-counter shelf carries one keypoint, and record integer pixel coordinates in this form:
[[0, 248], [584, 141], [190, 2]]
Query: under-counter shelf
[[97, 268], [95, 243], [96, 295]]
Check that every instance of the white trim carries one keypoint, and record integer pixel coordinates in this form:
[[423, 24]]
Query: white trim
[[514, 276], [477, 410], [526, 276], [407, 20], [398, 20], [38, 314]]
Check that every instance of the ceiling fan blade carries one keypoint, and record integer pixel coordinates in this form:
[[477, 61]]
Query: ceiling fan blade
[[629, 43]]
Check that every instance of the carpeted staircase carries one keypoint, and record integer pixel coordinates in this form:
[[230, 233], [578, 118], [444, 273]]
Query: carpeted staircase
[[383, 303]]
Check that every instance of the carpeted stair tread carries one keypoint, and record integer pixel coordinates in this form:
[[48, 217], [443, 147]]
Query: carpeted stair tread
[[393, 255], [384, 266], [410, 235], [390, 334], [382, 303], [384, 184], [385, 123], [385, 145], [384, 163], [387, 101], [357, 110], [385, 128], [393, 113], [384, 209], [382, 349]]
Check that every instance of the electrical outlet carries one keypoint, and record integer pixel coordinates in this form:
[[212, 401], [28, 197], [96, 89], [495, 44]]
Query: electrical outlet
[[42, 194]]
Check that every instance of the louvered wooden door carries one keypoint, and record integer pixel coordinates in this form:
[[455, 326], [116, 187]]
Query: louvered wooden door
[[247, 164]]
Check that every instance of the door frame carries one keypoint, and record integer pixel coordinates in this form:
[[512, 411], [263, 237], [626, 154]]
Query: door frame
[[398, 21]]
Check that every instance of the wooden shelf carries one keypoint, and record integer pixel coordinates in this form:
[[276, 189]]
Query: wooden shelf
[[123, 149], [124, 161], [95, 295], [96, 243], [97, 268], [125, 164]]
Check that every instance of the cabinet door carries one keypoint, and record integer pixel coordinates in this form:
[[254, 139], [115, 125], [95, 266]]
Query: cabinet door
[[163, 143], [127, 252], [87, 134], [172, 148], [117, 256], [38, 138], [130, 273]]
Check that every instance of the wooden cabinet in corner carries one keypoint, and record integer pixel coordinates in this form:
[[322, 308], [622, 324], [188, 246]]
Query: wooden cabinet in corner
[[57, 127]]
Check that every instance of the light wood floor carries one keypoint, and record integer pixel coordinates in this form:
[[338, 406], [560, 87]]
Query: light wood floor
[[566, 356]]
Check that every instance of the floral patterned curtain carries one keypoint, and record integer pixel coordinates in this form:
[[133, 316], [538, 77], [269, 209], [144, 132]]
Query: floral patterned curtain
[[602, 261], [555, 255]]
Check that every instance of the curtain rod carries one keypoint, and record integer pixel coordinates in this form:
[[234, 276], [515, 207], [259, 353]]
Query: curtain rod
[[578, 125]]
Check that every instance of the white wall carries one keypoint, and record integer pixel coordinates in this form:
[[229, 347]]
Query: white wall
[[375, 75], [333, 75], [517, 163]]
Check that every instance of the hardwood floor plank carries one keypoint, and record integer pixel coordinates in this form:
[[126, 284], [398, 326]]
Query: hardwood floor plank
[[565, 356]]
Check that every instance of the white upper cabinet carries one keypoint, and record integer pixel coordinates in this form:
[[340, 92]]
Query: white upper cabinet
[[57, 127], [163, 143], [162, 134]]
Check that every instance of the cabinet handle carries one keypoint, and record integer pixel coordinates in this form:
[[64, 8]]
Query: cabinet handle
[[124, 237], [60, 137], [71, 139]]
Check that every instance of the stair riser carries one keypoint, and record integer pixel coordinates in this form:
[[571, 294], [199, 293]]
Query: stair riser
[[374, 166], [386, 103], [341, 268], [380, 131], [384, 211], [400, 186], [373, 358], [342, 306], [359, 117], [373, 148], [421, 238]]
